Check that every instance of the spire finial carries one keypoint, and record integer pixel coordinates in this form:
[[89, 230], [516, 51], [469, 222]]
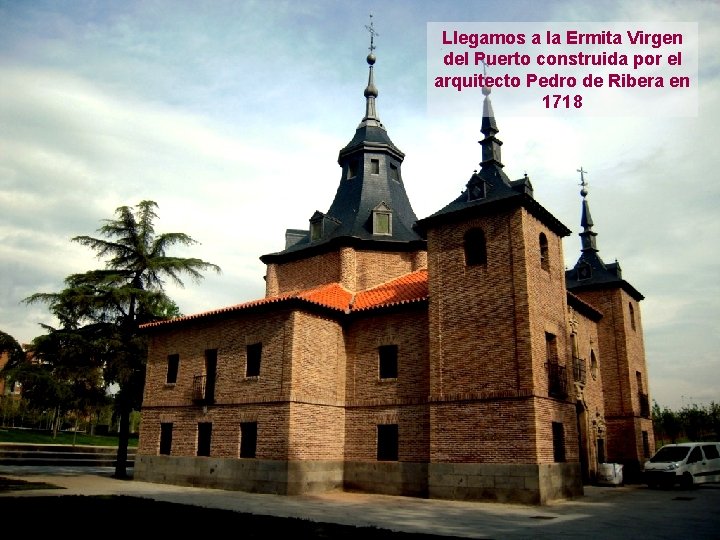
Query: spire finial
[[583, 183], [371, 92], [485, 89]]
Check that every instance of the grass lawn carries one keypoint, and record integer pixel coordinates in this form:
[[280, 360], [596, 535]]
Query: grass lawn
[[33, 436]]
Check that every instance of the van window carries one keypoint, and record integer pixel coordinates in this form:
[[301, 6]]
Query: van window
[[695, 455], [711, 451], [670, 454]]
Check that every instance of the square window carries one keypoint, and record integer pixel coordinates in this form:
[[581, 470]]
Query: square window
[[382, 223], [558, 434], [388, 361], [394, 173], [204, 437], [172, 368], [387, 442], [248, 439], [254, 354], [166, 429]]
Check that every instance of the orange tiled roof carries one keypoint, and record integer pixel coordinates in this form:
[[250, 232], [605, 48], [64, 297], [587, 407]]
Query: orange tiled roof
[[408, 288], [411, 287]]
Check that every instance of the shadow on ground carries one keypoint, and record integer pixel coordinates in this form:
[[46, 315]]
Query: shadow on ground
[[125, 516]]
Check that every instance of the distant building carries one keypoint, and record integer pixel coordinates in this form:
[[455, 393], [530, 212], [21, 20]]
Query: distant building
[[448, 357], [6, 388]]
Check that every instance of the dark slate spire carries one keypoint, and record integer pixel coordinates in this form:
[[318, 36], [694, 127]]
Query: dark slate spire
[[590, 271], [371, 207], [491, 186], [587, 236], [490, 144]]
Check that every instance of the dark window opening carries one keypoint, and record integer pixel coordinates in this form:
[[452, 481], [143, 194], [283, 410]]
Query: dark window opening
[[254, 355], [375, 166], [172, 368], [632, 316], [394, 173], [387, 442], [551, 347], [558, 435], [166, 431], [388, 361], [544, 257], [210, 374], [248, 439], [475, 248], [204, 437], [646, 444], [352, 169]]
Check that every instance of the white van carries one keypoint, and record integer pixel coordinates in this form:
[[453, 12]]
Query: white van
[[686, 464]]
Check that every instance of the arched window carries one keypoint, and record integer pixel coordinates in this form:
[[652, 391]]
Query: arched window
[[544, 259], [475, 248], [632, 315]]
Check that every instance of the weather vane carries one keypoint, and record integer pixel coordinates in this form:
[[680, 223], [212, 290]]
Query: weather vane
[[373, 33]]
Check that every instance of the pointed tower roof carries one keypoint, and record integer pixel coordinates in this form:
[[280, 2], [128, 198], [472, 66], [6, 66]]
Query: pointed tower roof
[[590, 271], [371, 207], [490, 188]]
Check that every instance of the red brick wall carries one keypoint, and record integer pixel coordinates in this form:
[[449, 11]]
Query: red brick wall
[[230, 336], [355, 269], [372, 401], [622, 354], [478, 314]]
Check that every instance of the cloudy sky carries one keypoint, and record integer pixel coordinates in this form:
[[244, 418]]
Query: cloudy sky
[[230, 115]]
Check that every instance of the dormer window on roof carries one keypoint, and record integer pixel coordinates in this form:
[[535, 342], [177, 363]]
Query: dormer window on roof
[[476, 188], [382, 220], [316, 226]]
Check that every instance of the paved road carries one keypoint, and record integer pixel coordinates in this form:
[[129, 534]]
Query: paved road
[[604, 512]]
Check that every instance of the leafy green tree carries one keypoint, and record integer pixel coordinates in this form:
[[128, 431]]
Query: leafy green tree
[[666, 423], [108, 305]]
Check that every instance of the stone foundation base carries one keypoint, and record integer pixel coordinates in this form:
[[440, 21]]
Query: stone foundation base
[[522, 483], [251, 475], [525, 484]]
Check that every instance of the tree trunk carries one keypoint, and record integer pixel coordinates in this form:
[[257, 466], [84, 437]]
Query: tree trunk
[[56, 422], [123, 440]]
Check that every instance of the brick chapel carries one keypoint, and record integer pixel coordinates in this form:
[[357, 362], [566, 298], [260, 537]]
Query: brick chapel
[[450, 357]]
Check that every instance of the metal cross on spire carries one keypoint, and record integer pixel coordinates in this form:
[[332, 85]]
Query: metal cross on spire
[[583, 183], [582, 172], [373, 33]]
